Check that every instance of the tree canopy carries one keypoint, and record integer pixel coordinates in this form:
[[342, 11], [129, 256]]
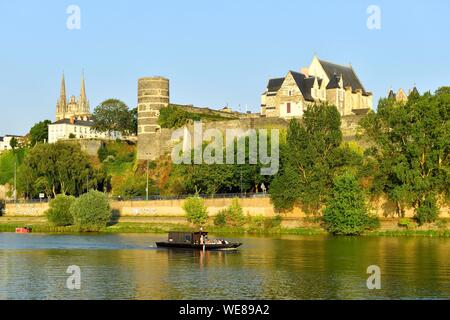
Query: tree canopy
[[310, 159], [60, 168], [39, 132], [113, 115], [410, 149]]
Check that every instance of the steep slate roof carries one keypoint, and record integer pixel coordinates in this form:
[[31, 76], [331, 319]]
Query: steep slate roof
[[415, 91], [334, 82], [392, 95], [304, 84], [275, 84], [76, 122], [349, 76]]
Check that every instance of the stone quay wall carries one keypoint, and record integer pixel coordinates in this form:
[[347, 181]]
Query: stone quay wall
[[259, 206]]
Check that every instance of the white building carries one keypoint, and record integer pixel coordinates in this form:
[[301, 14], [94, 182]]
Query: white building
[[5, 142], [72, 128]]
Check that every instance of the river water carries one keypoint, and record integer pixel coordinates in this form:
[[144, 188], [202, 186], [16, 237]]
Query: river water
[[284, 267]]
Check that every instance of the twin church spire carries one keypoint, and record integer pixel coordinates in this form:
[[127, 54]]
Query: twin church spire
[[67, 109]]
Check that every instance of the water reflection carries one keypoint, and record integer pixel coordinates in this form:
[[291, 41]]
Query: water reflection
[[130, 267]]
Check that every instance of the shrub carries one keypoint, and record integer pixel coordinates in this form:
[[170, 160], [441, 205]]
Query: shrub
[[428, 211], [133, 186], [2, 207], [235, 216], [91, 211], [346, 212], [404, 222], [109, 159], [261, 222], [58, 213], [232, 216], [270, 223], [221, 218], [195, 210]]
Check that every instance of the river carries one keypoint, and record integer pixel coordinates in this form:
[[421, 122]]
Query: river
[[128, 266]]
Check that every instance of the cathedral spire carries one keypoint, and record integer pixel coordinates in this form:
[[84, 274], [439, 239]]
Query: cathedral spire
[[83, 103], [61, 105], [62, 94], [83, 88]]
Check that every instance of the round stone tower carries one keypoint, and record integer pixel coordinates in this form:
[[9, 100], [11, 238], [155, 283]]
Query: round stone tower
[[153, 95]]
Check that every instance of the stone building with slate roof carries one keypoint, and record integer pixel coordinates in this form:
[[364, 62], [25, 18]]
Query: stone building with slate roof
[[323, 81], [401, 96]]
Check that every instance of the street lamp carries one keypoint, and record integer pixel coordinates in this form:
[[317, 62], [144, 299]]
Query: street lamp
[[15, 181], [148, 160]]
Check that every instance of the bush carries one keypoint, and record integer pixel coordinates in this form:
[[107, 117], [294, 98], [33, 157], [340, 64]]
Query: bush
[[91, 211], [428, 211], [221, 218], [59, 212], [346, 212], [2, 207], [232, 216], [270, 223], [235, 216], [260, 222], [196, 211]]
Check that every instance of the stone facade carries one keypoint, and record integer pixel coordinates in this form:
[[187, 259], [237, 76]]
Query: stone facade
[[66, 129], [323, 81]]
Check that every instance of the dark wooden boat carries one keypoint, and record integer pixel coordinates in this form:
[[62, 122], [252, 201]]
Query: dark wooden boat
[[197, 241]]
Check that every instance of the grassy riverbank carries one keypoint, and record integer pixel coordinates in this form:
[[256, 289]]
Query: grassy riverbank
[[136, 227], [41, 226]]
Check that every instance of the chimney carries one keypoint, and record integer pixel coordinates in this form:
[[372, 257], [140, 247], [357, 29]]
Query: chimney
[[305, 71], [72, 120]]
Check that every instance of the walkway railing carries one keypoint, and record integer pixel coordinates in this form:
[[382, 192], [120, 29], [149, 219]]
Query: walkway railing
[[204, 196], [159, 197]]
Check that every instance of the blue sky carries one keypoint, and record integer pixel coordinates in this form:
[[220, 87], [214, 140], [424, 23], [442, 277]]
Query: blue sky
[[214, 52]]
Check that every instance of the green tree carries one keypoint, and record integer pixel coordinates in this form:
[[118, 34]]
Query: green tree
[[91, 211], [195, 210], [410, 150], [39, 132], [221, 178], [113, 115], [309, 160], [14, 144], [58, 213], [60, 168], [174, 117], [346, 211], [134, 121]]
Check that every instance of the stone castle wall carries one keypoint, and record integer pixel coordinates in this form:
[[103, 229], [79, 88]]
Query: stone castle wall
[[154, 141], [162, 143]]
